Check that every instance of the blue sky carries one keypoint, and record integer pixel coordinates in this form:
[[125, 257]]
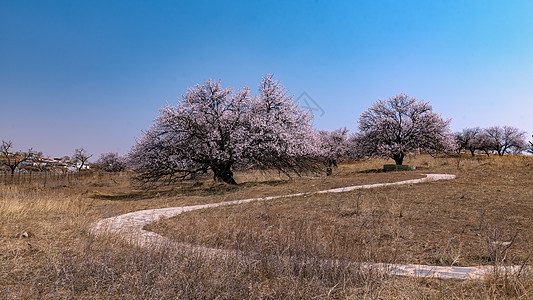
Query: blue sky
[[93, 74]]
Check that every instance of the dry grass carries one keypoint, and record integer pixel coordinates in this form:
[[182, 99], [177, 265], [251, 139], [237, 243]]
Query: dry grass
[[467, 221], [46, 252]]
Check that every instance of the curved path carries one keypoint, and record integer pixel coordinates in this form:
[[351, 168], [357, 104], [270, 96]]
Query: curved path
[[130, 226]]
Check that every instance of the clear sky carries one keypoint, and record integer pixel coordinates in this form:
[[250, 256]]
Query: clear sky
[[93, 74]]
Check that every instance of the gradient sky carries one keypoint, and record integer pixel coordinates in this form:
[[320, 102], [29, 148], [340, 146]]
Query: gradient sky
[[93, 74]]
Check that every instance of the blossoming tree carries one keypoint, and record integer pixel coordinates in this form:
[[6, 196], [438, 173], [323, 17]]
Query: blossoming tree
[[219, 129], [335, 145], [111, 162], [400, 125], [468, 139], [505, 139]]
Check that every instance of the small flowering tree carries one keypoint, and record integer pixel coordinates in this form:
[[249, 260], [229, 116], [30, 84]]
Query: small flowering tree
[[400, 125], [505, 139], [111, 162], [217, 129], [334, 144], [468, 139], [483, 142]]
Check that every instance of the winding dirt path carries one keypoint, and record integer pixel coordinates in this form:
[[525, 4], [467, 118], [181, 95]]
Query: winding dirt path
[[130, 227]]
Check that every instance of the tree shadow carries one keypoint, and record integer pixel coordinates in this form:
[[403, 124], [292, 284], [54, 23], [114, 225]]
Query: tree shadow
[[135, 195], [191, 188], [372, 171]]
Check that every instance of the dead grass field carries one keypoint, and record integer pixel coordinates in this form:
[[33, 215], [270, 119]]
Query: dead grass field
[[462, 222], [46, 253]]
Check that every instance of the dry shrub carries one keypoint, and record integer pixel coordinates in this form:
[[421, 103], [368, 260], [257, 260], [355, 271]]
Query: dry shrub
[[508, 285]]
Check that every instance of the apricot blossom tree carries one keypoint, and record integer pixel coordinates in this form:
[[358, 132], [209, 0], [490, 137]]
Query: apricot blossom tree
[[469, 139], [111, 162], [400, 125], [335, 145], [219, 129], [505, 139]]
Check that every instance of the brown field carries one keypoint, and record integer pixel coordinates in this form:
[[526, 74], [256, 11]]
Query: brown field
[[46, 253]]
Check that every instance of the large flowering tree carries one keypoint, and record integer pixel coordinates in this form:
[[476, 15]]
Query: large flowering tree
[[218, 129], [400, 125]]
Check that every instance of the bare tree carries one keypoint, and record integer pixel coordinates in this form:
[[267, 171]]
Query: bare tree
[[505, 139], [111, 162], [218, 129], [80, 157], [467, 139], [401, 125], [530, 147], [13, 160]]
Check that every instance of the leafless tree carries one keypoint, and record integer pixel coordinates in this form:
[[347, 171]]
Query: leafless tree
[[505, 139], [80, 158], [401, 125], [530, 146], [13, 160]]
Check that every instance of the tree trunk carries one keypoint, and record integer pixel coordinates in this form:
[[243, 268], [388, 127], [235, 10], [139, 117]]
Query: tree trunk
[[472, 152], [223, 172], [398, 158]]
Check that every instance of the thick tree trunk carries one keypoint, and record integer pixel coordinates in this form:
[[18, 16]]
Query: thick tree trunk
[[223, 172], [398, 158]]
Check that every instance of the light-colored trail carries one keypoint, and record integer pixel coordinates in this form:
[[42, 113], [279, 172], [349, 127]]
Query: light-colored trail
[[130, 227]]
